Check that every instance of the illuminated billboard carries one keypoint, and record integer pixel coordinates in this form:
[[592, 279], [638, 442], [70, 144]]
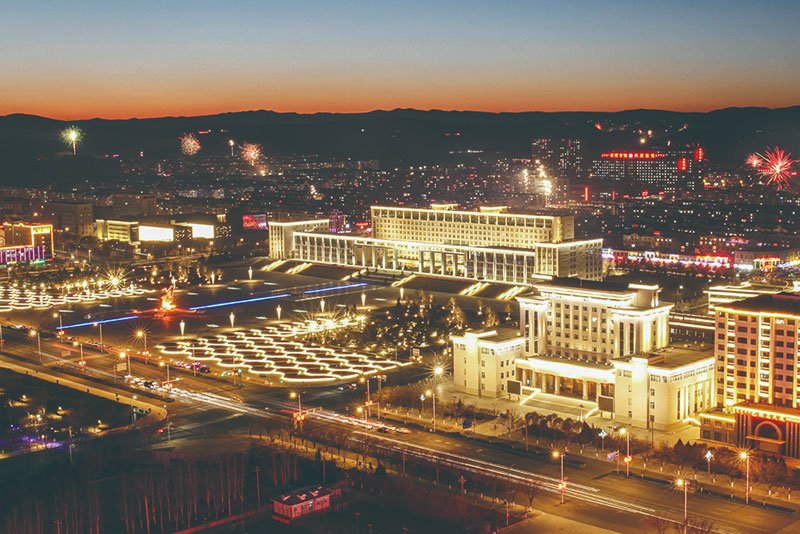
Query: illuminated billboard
[[202, 231], [257, 221], [156, 233]]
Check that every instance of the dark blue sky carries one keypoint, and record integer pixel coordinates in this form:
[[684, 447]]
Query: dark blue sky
[[101, 58]]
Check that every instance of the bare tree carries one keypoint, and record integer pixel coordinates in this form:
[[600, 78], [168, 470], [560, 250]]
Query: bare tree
[[658, 523], [698, 525], [531, 490]]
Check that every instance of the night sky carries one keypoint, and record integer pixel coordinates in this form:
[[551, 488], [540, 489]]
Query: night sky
[[74, 60]]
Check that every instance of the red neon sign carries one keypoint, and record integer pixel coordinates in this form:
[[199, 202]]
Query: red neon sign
[[699, 153], [683, 164], [632, 155], [586, 194]]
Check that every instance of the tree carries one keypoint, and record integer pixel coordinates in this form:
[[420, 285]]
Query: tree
[[533, 487], [490, 318], [658, 523], [456, 320], [699, 526], [508, 311]]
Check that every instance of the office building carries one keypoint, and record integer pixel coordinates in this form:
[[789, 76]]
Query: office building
[[650, 172], [756, 378], [663, 388], [607, 344], [282, 234], [489, 227], [112, 230], [23, 242], [484, 361], [72, 217], [490, 245]]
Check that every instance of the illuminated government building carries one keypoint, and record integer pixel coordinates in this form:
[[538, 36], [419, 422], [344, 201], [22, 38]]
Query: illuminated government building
[[490, 244], [604, 343]]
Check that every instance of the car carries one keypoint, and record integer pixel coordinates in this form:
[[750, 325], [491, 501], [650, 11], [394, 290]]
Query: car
[[382, 430]]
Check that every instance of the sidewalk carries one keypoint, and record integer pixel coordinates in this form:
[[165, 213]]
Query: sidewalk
[[495, 429]]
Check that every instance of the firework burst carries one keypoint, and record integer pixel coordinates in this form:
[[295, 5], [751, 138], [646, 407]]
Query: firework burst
[[251, 152], [776, 166], [72, 136], [754, 160], [189, 144]]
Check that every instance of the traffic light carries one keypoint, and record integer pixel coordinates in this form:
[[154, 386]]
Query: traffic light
[[369, 403]]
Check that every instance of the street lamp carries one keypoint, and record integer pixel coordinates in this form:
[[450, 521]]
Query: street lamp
[[322, 305], [746, 457], [366, 380], [232, 317], [602, 435], [363, 299], [684, 483], [124, 355], [628, 451], [709, 456], [562, 485], [38, 342], [295, 395], [100, 326], [437, 371], [278, 311], [183, 326], [57, 315], [162, 364], [143, 334]]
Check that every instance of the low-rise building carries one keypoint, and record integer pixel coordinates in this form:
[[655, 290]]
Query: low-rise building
[[663, 388], [484, 361], [113, 230], [23, 242], [300, 502]]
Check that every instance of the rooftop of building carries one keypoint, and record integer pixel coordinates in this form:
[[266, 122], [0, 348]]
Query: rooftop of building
[[499, 334], [779, 303], [571, 361], [589, 285], [302, 495], [768, 408], [674, 356]]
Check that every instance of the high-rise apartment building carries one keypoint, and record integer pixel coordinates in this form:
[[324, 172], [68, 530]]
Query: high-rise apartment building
[[756, 350], [756, 379], [655, 172], [561, 157]]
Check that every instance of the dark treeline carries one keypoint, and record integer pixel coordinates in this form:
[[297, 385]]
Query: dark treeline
[[114, 488]]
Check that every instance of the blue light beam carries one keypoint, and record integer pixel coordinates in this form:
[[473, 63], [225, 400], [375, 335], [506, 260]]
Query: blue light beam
[[235, 302]]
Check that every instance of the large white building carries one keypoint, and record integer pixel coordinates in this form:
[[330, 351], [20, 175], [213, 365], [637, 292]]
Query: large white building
[[484, 361], [665, 387], [489, 227], [489, 245], [602, 342], [281, 234]]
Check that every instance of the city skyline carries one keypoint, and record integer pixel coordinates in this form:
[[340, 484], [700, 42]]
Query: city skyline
[[97, 60]]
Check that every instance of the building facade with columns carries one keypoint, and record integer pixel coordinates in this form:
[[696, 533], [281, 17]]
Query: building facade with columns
[[573, 329]]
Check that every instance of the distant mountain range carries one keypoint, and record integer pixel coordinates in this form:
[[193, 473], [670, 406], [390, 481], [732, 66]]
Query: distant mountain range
[[31, 149]]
